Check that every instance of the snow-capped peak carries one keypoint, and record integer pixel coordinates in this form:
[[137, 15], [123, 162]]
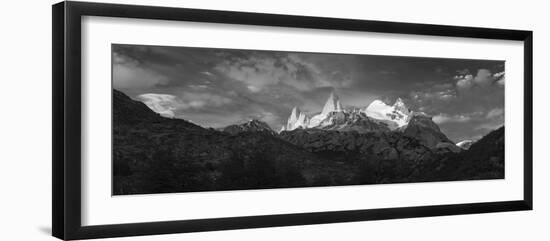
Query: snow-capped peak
[[378, 109], [332, 105], [396, 115], [296, 120]]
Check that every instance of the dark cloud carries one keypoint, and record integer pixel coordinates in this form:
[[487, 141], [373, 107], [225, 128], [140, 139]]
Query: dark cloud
[[470, 108], [218, 87]]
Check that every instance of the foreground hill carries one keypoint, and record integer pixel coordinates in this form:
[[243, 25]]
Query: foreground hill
[[153, 154], [483, 160]]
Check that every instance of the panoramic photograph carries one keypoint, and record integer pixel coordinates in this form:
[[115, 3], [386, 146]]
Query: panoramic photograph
[[188, 119]]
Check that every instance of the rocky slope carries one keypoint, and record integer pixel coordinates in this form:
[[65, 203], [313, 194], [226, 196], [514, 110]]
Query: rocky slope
[[422, 128], [128, 111], [250, 126], [483, 160]]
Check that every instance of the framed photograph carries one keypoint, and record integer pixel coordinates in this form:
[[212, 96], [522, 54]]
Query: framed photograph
[[169, 120]]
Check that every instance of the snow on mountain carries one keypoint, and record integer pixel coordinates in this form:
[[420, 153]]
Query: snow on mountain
[[400, 106], [296, 120], [396, 116], [466, 144], [378, 116], [351, 120], [299, 119]]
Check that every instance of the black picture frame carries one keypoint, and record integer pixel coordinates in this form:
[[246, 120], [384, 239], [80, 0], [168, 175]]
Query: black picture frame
[[66, 169]]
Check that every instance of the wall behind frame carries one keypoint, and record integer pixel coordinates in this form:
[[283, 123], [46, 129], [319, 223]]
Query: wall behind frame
[[25, 177]]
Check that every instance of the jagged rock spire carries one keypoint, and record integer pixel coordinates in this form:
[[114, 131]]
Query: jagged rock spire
[[294, 115], [332, 105], [296, 120]]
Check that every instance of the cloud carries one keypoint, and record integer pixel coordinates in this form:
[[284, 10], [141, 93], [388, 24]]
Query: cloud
[[171, 105], [129, 73], [253, 88], [258, 72], [439, 119], [207, 73], [467, 98], [472, 99], [160, 103], [461, 118], [497, 112], [483, 77], [198, 87], [500, 77], [190, 100], [464, 82], [463, 72], [433, 97], [489, 126], [444, 86]]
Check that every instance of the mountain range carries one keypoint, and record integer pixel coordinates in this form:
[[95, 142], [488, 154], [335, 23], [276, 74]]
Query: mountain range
[[334, 116], [376, 117], [338, 146]]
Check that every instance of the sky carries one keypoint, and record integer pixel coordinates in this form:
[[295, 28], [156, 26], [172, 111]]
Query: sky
[[220, 87]]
